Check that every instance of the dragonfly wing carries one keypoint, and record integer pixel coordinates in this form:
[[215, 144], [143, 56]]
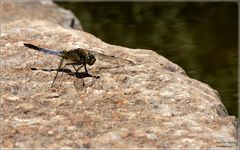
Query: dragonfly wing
[[111, 59]]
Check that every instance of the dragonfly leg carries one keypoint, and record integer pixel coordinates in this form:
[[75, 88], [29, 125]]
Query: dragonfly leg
[[77, 68], [75, 63], [86, 71], [59, 66], [65, 67]]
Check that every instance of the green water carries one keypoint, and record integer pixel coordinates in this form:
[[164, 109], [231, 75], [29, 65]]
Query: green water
[[201, 37]]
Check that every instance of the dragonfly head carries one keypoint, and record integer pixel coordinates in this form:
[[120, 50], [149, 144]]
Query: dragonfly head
[[90, 59]]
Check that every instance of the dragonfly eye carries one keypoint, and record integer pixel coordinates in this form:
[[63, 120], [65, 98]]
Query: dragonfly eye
[[90, 59]]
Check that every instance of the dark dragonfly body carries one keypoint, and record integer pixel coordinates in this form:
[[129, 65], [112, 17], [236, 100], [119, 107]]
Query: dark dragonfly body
[[75, 57]]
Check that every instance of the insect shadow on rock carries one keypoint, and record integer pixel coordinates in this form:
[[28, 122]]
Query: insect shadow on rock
[[69, 72], [76, 57]]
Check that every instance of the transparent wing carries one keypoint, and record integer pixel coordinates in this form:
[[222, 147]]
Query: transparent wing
[[111, 59]]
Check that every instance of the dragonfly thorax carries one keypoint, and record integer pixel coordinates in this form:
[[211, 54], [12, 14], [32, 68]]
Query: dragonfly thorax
[[85, 57], [79, 55]]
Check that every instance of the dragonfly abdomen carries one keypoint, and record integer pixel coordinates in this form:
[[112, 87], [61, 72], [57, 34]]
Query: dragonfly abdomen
[[44, 50]]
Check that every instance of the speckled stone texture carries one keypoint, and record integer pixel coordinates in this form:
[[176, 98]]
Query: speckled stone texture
[[13, 10], [148, 103]]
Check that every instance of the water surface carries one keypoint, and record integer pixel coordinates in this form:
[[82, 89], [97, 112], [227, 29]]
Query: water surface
[[201, 37]]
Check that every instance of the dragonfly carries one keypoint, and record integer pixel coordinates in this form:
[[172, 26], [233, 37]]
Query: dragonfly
[[77, 57]]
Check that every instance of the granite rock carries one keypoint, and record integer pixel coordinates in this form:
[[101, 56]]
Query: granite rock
[[140, 100], [13, 10]]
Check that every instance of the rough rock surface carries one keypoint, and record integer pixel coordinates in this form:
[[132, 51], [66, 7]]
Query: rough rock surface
[[13, 10], [150, 103]]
